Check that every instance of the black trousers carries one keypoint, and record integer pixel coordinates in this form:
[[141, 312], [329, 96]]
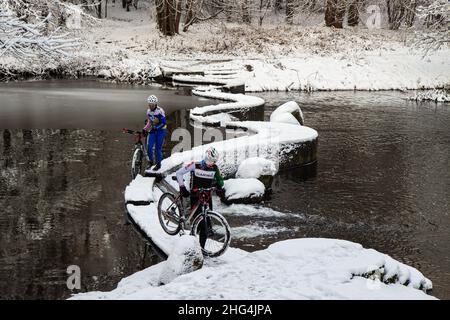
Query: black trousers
[[203, 227]]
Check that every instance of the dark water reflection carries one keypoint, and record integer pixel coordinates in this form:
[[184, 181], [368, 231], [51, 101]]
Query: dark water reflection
[[61, 205], [61, 190], [383, 177]]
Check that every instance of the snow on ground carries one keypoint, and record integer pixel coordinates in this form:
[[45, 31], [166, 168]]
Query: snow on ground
[[128, 47], [291, 269], [186, 256]]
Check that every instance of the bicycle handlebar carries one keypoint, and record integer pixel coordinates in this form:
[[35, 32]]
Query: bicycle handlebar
[[200, 190]]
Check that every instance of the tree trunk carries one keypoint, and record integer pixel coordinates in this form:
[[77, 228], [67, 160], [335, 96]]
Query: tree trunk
[[290, 4], [410, 14], [353, 13], [246, 17], [334, 13], [396, 13], [330, 12], [278, 5], [99, 10], [189, 12], [340, 13], [168, 13]]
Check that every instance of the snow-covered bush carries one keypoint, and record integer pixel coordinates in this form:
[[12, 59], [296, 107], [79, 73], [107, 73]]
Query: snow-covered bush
[[31, 30], [432, 95]]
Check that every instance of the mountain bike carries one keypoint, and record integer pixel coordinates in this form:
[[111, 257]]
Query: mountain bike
[[210, 227], [138, 152]]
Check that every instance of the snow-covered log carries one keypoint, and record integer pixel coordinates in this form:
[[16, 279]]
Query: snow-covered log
[[27, 41]]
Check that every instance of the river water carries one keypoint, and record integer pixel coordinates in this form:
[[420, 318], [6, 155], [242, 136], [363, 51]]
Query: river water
[[382, 179]]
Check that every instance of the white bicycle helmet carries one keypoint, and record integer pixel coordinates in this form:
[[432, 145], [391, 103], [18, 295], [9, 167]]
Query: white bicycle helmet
[[152, 99], [212, 155]]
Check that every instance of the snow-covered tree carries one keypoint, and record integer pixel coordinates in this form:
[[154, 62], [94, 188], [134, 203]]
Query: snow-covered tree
[[31, 29], [436, 17]]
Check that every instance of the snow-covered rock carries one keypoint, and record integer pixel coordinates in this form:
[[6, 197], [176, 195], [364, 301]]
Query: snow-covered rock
[[259, 168], [186, 256], [255, 167], [244, 190], [291, 269], [288, 112], [140, 189]]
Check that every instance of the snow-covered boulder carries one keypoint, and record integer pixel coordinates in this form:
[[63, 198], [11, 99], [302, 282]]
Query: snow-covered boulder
[[104, 73], [244, 191], [262, 169], [140, 190], [288, 112], [186, 257], [313, 268]]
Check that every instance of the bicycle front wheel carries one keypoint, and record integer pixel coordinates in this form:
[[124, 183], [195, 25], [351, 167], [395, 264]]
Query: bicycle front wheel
[[213, 233], [169, 214], [136, 163]]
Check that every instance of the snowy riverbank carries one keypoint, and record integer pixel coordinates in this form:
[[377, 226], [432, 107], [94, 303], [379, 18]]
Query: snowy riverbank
[[291, 269], [127, 47]]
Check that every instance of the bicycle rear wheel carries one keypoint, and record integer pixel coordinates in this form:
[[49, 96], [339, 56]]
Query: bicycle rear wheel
[[169, 214], [215, 233], [136, 163]]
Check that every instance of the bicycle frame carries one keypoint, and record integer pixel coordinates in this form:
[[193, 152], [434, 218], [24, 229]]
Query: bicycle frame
[[138, 140], [204, 198]]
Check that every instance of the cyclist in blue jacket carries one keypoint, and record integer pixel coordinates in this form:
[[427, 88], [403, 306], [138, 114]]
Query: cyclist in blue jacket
[[156, 127]]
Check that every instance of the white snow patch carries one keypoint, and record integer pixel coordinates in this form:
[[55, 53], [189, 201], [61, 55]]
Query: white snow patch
[[284, 113], [291, 269], [254, 231], [432, 95], [243, 188], [186, 256], [239, 101], [249, 210], [140, 189], [255, 167]]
